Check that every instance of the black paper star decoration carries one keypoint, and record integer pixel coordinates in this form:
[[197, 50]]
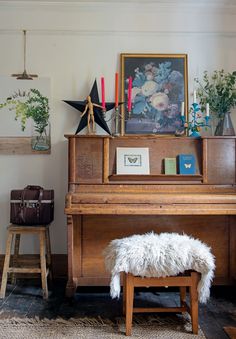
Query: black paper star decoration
[[98, 114]]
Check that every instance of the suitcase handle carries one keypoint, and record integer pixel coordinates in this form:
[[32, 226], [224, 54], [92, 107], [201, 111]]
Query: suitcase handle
[[32, 187]]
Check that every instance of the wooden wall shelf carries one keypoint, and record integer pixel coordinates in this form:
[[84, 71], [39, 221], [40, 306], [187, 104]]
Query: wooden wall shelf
[[18, 145]]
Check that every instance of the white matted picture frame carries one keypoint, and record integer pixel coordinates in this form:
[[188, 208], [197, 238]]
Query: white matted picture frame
[[132, 160]]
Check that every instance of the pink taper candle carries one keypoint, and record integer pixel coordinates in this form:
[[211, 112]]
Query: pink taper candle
[[129, 94], [103, 93]]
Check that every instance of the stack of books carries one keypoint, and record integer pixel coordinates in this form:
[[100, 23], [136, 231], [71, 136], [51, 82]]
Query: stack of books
[[186, 164]]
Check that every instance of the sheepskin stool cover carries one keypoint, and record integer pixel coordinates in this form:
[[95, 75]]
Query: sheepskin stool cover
[[159, 255]]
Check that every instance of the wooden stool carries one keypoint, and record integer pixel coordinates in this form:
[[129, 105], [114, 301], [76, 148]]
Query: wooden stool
[[45, 256], [190, 279]]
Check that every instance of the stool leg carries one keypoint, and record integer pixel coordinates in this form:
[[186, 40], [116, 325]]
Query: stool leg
[[124, 292], [43, 265], [6, 265], [182, 291], [194, 301], [49, 254], [15, 257], [129, 300]]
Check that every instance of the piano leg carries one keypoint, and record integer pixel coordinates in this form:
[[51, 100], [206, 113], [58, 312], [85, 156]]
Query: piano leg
[[74, 253], [70, 289]]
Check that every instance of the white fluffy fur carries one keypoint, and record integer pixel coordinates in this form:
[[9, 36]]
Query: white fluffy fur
[[159, 255]]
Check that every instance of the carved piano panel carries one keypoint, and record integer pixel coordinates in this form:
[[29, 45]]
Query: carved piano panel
[[85, 160]]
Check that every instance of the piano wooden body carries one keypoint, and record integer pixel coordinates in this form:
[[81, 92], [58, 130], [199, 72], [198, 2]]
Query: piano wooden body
[[102, 205]]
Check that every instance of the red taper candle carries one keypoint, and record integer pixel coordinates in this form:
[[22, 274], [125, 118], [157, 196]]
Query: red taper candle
[[129, 94]]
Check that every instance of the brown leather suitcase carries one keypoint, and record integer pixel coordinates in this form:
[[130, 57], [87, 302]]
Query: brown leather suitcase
[[32, 205]]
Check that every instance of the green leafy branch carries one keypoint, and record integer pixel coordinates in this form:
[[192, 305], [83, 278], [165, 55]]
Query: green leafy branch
[[27, 105], [219, 90], [38, 107]]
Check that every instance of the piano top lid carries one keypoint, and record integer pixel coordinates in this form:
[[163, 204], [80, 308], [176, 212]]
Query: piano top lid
[[144, 136]]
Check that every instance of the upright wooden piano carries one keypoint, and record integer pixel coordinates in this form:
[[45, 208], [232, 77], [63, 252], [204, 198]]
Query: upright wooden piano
[[102, 205]]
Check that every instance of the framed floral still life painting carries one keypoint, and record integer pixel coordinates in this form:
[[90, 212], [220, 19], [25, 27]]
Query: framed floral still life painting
[[155, 92]]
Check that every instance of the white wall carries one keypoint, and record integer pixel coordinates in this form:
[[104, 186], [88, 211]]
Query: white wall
[[73, 43]]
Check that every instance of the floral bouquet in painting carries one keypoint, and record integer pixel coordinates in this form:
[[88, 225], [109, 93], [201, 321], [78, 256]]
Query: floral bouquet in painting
[[32, 105], [157, 94]]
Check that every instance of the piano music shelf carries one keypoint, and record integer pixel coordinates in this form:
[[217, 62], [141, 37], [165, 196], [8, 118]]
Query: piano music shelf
[[157, 177]]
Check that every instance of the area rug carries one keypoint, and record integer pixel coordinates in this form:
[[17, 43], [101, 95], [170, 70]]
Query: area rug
[[149, 327]]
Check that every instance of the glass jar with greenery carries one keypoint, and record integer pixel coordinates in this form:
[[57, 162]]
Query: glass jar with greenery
[[34, 105], [219, 90], [39, 111]]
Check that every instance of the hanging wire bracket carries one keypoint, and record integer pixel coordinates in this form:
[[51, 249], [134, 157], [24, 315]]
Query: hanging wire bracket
[[24, 75]]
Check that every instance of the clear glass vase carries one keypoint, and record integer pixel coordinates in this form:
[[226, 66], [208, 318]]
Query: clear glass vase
[[41, 141], [225, 126]]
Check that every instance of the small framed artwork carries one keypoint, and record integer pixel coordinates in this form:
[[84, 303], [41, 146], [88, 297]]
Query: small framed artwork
[[155, 91], [132, 160], [25, 116]]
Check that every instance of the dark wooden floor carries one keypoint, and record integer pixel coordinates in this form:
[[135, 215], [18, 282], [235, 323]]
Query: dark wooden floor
[[24, 300]]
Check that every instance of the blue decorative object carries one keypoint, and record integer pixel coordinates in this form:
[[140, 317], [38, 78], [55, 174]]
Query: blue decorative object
[[195, 121], [186, 164]]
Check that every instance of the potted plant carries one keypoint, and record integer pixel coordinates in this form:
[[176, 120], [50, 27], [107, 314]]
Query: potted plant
[[219, 90], [34, 105]]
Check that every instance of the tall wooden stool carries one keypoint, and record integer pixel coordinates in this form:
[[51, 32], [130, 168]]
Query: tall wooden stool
[[45, 255], [189, 279]]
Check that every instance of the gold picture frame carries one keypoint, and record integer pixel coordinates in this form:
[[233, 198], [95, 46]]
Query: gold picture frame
[[159, 93]]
